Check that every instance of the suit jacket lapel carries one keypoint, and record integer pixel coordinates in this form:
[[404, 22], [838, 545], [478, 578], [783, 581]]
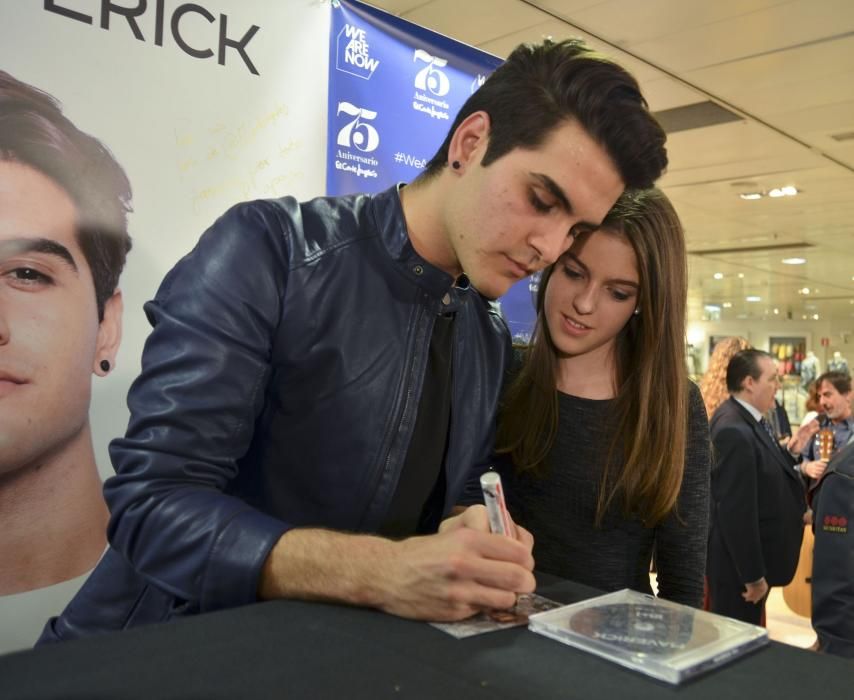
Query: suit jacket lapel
[[766, 440]]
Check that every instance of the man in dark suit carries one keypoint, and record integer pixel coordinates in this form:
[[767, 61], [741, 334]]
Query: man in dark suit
[[757, 496]]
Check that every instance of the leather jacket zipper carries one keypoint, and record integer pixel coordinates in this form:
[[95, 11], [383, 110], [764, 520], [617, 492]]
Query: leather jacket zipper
[[419, 353]]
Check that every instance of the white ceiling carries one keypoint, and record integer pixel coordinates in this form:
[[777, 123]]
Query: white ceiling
[[786, 67]]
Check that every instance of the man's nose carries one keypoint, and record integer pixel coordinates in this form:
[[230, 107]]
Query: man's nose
[[550, 242]]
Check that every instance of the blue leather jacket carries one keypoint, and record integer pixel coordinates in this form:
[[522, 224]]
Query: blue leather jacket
[[278, 389]]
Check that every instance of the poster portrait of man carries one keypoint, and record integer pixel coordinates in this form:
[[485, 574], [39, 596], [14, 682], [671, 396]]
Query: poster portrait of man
[[64, 202]]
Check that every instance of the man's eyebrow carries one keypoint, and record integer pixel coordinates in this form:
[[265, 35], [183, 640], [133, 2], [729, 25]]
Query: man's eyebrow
[[46, 246], [558, 193], [555, 190]]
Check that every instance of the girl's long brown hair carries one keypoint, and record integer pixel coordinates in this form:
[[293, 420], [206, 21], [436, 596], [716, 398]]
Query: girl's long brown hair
[[651, 379]]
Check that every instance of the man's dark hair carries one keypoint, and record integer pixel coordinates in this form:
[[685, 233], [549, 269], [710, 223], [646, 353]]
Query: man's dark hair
[[841, 381], [35, 132], [744, 364], [541, 86]]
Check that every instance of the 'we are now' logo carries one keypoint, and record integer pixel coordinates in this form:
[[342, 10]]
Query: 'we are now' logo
[[353, 53]]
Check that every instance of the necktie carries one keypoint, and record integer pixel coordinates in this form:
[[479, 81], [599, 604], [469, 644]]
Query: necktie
[[768, 429]]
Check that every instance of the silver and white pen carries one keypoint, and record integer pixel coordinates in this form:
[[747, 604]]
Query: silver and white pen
[[499, 517], [496, 508]]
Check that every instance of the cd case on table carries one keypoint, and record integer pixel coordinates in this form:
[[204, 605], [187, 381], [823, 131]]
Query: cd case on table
[[662, 639]]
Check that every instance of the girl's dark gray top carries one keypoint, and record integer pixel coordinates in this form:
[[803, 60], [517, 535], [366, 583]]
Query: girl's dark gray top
[[558, 506]]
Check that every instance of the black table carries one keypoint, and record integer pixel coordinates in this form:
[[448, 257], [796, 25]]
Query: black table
[[287, 649]]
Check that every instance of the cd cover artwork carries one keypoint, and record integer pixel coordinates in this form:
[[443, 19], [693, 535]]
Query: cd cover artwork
[[643, 627], [493, 620], [662, 639]]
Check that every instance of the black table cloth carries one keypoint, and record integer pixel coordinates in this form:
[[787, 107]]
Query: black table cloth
[[288, 649]]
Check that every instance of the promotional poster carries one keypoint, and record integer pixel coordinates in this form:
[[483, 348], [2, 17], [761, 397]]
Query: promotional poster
[[146, 119]]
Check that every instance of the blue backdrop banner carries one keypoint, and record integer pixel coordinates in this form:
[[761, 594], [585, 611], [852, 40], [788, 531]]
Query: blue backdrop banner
[[394, 90]]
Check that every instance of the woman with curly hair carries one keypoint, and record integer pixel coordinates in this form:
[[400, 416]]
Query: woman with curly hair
[[713, 384]]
